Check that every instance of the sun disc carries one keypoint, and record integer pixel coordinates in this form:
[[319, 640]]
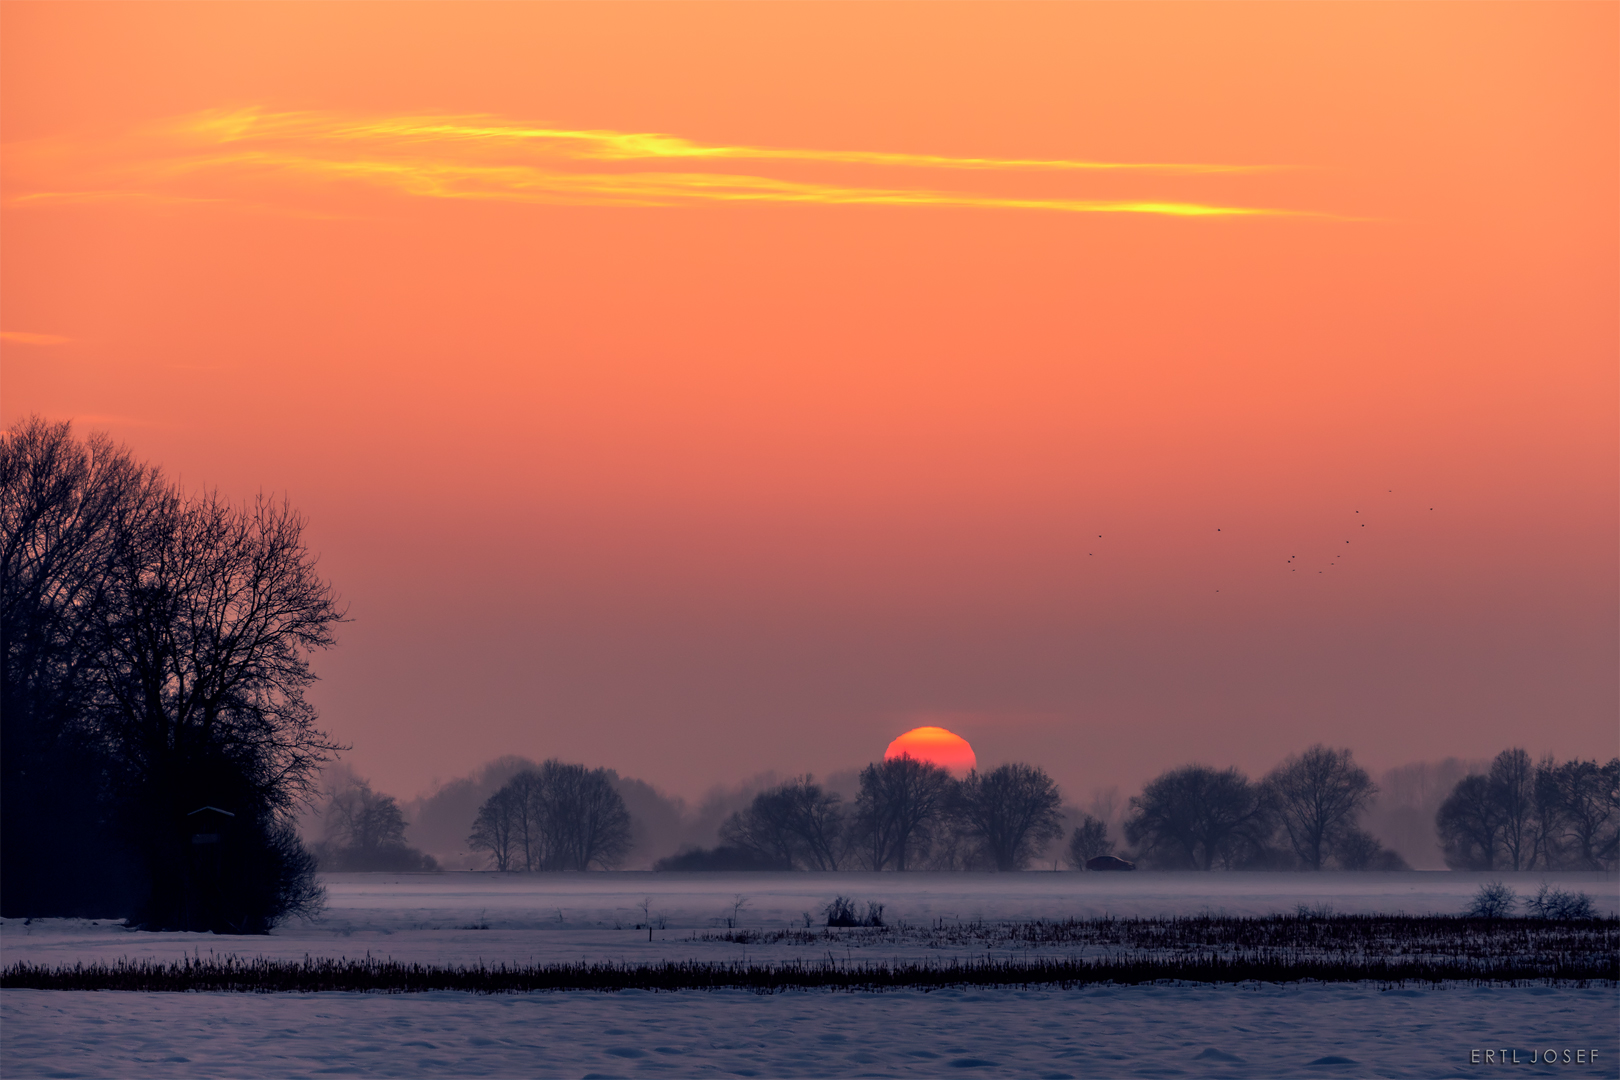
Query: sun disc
[[935, 745]]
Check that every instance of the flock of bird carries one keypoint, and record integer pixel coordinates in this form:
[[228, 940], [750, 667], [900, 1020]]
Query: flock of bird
[[1292, 559]]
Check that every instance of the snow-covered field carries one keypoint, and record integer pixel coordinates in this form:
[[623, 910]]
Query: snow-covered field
[[1348, 1029], [1310, 1030], [547, 918]]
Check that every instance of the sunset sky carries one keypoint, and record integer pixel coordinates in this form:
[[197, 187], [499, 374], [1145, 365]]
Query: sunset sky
[[703, 390]]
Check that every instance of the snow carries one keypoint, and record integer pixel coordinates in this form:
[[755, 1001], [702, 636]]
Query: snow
[[1248, 1031], [465, 917], [549, 918]]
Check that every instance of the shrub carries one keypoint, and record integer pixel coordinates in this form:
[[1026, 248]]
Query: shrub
[[719, 858], [1549, 903], [1493, 901], [843, 912]]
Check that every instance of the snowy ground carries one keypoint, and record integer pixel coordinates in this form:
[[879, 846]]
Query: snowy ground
[[547, 918], [1309, 1030], [1098, 1031]]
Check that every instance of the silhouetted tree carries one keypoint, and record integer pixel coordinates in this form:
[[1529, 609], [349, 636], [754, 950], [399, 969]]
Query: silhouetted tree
[[1357, 849], [1547, 816], [902, 802], [1513, 790], [1011, 812], [725, 858], [585, 821], [366, 831], [1519, 815], [1588, 796], [1318, 796], [63, 504], [1470, 825], [167, 637], [796, 825], [1197, 816], [1088, 840], [556, 817], [495, 830]]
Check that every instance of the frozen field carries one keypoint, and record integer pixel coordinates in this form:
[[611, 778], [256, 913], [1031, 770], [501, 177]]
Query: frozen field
[[1286, 1030], [1302, 1030], [546, 918]]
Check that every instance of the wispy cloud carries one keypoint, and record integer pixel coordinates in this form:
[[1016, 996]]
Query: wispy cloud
[[485, 158], [598, 145], [23, 337]]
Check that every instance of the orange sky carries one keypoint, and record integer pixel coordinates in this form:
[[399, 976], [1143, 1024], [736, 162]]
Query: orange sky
[[699, 390]]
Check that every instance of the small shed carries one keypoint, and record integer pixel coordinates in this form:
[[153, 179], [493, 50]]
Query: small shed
[[209, 824]]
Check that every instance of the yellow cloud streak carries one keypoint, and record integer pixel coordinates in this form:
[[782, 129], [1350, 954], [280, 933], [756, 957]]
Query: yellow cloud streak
[[597, 145], [478, 158], [523, 183]]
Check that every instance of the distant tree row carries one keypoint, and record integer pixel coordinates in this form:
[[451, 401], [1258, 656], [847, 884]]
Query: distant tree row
[[555, 817], [913, 815], [1526, 815], [908, 815], [1305, 814]]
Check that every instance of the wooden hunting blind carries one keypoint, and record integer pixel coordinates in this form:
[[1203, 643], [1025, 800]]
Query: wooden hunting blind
[[209, 824]]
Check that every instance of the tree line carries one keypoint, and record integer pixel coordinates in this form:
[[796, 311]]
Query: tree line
[[911, 815], [914, 815], [1525, 815], [154, 654]]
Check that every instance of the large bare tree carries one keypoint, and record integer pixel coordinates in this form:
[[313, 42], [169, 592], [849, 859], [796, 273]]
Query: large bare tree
[[1011, 811], [1318, 796], [1513, 789], [797, 825], [903, 802], [1589, 799], [170, 635], [554, 817], [1469, 823], [1196, 816]]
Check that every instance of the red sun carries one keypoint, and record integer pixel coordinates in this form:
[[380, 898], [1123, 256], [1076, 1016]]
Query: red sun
[[944, 748]]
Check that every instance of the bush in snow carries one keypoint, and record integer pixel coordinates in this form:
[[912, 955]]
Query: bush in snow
[[1493, 901], [1549, 903]]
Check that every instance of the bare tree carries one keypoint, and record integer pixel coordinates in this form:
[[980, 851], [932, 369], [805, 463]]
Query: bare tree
[[63, 505], [1550, 817], [764, 828], [584, 820], [1197, 816], [1318, 796], [526, 797], [1088, 840], [1011, 811], [495, 829], [818, 818], [1589, 796], [1513, 789], [901, 803], [365, 830], [794, 825], [555, 817], [192, 622], [1470, 825], [63, 508]]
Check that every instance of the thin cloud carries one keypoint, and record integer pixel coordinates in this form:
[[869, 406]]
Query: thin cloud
[[520, 183], [484, 158], [23, 337], [601, 145]]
